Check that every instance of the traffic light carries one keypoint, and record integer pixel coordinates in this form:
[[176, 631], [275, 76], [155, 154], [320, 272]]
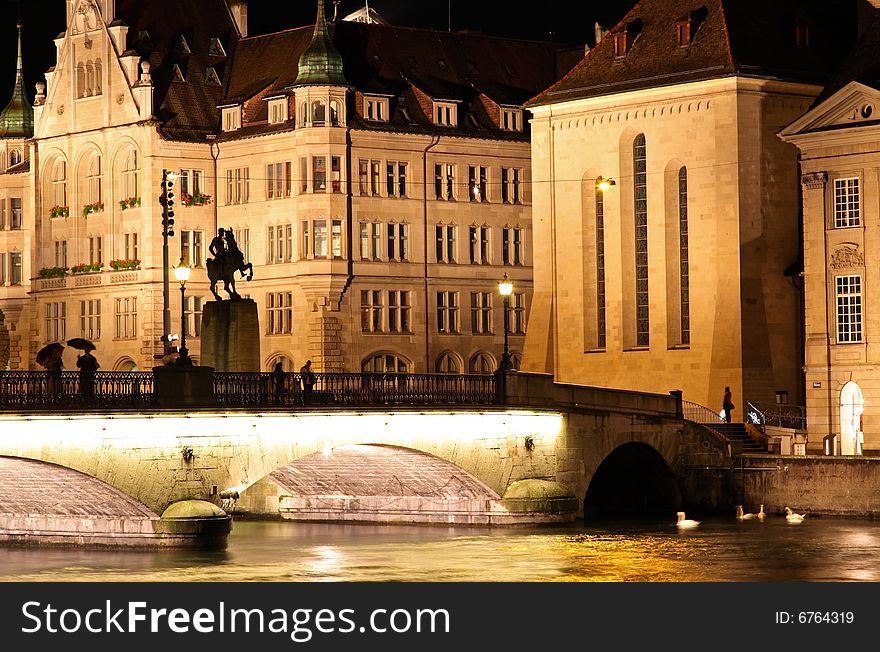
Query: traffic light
[[166, 199]]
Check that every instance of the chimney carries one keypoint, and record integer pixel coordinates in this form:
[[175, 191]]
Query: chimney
[[866, 11], [238, 9]]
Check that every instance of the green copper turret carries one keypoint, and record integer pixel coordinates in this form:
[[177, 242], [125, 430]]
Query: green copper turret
[[17, 119], [320, 63]]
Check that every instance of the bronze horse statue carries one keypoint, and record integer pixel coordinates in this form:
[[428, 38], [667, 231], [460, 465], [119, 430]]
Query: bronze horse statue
[[224, 266]]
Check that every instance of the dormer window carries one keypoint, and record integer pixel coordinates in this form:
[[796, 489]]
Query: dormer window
[[231, 118], [445, 114], [687, 26], [802, 32], [277, 111], [511, 119], [211, 78], [376, 108], [182, 46], [215, 49], [624, 40]]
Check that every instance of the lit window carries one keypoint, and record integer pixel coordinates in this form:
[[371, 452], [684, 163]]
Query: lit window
[[846, 203], [445, 114], [849, 309], [277, 111], [231, 118]]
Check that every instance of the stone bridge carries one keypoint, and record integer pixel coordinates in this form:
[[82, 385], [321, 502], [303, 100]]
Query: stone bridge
[[610, 449]]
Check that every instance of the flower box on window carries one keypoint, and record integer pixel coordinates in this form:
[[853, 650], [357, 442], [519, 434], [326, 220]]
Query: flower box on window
[[52, 272], [131, 202], [84, 268], [92, 208], [123, 264], [198, 199], [59, 211]]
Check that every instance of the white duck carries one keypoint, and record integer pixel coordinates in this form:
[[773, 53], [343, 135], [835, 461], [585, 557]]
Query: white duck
[[761, 513], [740, 516], [791, 517], [685, 523]]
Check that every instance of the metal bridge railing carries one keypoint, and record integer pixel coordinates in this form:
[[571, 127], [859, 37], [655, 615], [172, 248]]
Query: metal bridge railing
[[700, 413], [46, 390], [777, 414]]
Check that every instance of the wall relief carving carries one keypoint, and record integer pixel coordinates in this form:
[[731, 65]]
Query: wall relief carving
[[847, 256]]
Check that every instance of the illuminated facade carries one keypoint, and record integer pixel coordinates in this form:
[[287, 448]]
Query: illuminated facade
[[839, 141], [682, 275], [377, 177]]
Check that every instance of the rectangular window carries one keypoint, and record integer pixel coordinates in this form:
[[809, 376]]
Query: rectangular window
[[15, 268], [505, 190], [288, 243], [61, 253], [846, 203], [270, 245], [510, 185], [398, 245], [96, 250], [2, 212], [320, 229], [481, 312], [477, 183], [444, 181], [371, 311], [237, 185], [512, 246], [640, 195], [447, 312], [303, 175], [243, 238], [376, 109], [336, 238], [191, 182], [395, 178], [126, 318], [90, 319], [375, 167], [517, 314], [130, 246], [56, 321], [191, 248], [15, 213], [2, 269], [193, 316], [849, 309], [279, 243], [231, 118], [600, 269], [511, 119], [304, 252], [364, 231], [279, 313], [478, 249], [336, 173], [445, 243], [277, 111], [398, 311], [445, 114], [319, 174], [363, 167]]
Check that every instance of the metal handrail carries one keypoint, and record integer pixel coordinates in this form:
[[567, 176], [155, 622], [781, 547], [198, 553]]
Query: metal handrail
[[777, 414], [36, 390], [699, 413]]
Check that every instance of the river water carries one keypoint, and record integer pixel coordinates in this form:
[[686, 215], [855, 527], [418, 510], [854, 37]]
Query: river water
[[645, 551]]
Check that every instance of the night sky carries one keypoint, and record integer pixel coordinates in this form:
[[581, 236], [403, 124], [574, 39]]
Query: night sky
[[571, 21]]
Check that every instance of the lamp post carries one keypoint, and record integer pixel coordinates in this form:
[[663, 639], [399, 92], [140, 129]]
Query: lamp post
[[505, 288], [181, 273], [166, 200]]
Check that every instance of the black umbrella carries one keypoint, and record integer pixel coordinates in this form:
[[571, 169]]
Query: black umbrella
[[80, 343], [48, 351]]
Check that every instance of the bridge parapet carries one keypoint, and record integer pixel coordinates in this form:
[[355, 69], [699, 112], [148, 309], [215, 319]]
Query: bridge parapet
[[538, 390]]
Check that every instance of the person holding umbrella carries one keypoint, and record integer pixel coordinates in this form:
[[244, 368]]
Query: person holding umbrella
[[50, 358], [88, 365]]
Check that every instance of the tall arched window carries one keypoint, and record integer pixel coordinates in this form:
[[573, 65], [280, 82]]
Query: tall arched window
[[286, 363], [96, 87], [14, 157], [447, 363], [334, 113], [90, 78], [481, 363], [640, 194], [319, 113], [130, 175], [683, 255], [59, 183], [93, 180], [80, 80], [2, 161], [387, 363], [303, 114]]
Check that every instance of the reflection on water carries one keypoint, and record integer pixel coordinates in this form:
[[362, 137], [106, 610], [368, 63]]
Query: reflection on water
[[719, 550]]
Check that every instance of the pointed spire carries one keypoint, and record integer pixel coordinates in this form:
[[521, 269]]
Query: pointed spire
[[17, 119], [320, 63]]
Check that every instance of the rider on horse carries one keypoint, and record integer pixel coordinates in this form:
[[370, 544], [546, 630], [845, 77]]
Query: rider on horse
[[227, 259]]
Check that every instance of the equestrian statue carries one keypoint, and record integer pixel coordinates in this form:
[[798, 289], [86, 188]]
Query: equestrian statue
[[227, 260]]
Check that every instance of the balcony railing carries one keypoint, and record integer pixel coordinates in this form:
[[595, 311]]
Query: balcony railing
[[44, 390], [777, 414]]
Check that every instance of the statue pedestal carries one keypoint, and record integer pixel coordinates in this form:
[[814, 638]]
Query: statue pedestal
[[231, 336], [183, 386]]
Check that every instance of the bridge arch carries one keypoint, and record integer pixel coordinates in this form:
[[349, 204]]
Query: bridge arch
[[633, 480]]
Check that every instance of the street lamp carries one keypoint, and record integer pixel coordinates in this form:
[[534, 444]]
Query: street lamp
[[605, 184], [181, 273], [505, 288], [166, 200]]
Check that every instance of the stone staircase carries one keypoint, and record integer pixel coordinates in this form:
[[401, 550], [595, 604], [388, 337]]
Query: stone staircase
[[739, 437]]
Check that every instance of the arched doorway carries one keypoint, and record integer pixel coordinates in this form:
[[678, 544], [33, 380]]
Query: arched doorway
[[852, 403], [634, 481]]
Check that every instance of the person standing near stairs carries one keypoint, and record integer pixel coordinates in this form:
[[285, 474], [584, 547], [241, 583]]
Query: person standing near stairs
[[728, 404]]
